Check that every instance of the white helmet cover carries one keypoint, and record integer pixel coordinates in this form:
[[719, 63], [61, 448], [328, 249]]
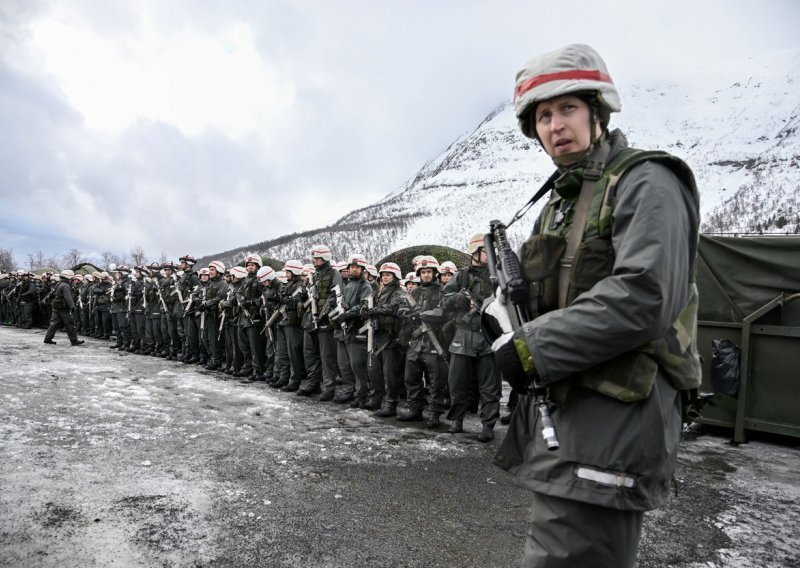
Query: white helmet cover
[[393, 268], [321, 251], [426, 262], [252, 258], [239, 272], [219, 266], [265, 274], [571, 69], [358, 260], [293, 266]]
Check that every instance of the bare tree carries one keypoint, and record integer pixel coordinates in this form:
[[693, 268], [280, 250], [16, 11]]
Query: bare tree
[[137, 255], [164, 258], [35, 260], [73, 258], [7, 262]]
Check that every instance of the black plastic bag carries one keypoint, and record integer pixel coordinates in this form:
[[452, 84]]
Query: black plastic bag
[[725, 362]]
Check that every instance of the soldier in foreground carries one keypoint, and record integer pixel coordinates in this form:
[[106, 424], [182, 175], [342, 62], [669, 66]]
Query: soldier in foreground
[[63, 305], [610, 267]]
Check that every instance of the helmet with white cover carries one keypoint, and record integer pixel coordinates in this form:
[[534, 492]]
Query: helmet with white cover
[[293, 266], [265, 274], [392, 268], [321, 251], [571, 70]]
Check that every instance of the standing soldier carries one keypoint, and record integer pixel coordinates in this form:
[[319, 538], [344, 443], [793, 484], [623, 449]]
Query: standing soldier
[[137, 310], [170, 320], [26, 298], [292, 299], [119, 308], [63, 305], [188, 283], [471, 361], [356, 290], [102, 306], [269, 303], [87, 321], [425, 351], [216, 292], [248, 297], [614, 344], [153, 340], [233, 353], [387, 358], [325, 278], [282, 370]]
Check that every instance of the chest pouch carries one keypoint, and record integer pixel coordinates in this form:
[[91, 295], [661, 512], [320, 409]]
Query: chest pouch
[[541, 258], [594, 260]]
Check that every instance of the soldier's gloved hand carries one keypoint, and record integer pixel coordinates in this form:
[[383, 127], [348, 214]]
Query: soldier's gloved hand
[[347, 316], [364, 312], [508, 362], [464, 300]]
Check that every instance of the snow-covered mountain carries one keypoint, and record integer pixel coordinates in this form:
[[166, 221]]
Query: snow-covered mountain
[[737, 125]]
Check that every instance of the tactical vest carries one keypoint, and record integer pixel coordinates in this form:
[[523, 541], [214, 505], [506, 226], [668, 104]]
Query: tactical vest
[[481, 288], [59, 302], [629, 376]]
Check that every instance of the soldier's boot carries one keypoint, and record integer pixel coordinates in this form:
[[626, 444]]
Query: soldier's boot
[[410, 415], [487, 434], [50, 341], [243, 373], [358, 402], [212, 366], [343, 398], [372, 404], [433, 421], [309, 390], [456, 426], [326, 396], [290, 387], [78, 342], [506, 419], [387, 410]]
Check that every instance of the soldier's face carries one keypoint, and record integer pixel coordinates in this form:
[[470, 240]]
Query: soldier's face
[[410, 285], [445, 277], [251, 267], [345, 273], [356, 270], [213, 272], [387, 278], [426, 274], [204, 278], [564, 127], [318, 261]]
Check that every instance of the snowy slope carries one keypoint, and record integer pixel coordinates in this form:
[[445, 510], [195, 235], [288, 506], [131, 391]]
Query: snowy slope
[[736, 124]]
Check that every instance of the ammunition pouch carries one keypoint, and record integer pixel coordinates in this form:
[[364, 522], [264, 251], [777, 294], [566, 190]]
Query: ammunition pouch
[[540, 259]]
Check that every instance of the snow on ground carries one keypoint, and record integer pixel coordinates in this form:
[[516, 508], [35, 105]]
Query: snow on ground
[[124, 460]]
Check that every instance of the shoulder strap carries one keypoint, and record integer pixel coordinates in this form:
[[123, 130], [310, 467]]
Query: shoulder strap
[[592, 172]]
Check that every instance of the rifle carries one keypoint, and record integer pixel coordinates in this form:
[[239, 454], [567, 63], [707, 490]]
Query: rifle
[[312, 301], [224, 312], [161, 298], [203, 313], [474, 304], [506, 273], [426, 329], [146, 281], [191, 300], [129, 297], [334, 314], [369, 327], [279, 312]]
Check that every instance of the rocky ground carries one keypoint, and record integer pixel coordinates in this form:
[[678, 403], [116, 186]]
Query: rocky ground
[[110, 459]]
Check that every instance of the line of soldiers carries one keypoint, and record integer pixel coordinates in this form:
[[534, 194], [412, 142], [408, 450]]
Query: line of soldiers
[[347, 332]]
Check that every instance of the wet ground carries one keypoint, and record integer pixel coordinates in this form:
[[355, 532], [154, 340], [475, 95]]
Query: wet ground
[[111, 459]]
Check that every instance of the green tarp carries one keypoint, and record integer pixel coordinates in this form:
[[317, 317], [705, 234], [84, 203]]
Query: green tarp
[[738, 275]]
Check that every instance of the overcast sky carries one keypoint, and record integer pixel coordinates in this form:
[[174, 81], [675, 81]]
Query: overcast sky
[[195, 126]]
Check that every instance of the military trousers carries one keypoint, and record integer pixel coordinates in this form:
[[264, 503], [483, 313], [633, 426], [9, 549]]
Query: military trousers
[[26, 314], [357, 353], [124, 329], [465, 374], [192, 335], [330, 364], [563, 533], [386, 375], [213, 339], [294, 348], [233, 355], [252, 347], [282, 367], [102, 321], [138, 324], [311, 360], [348, 386], [59, 319], [153, 339], [427, 362], [169, 329]]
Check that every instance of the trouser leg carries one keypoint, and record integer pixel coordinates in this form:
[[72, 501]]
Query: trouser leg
[[212, 333], [345, 370], [294, 345], [415, 394], [123, 329], [563, 533], [255, 339], [311, 359], [244, 347], [282, 366], [192, 335], [462, 383], [490, 387], [330, 364], [357, 352]]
